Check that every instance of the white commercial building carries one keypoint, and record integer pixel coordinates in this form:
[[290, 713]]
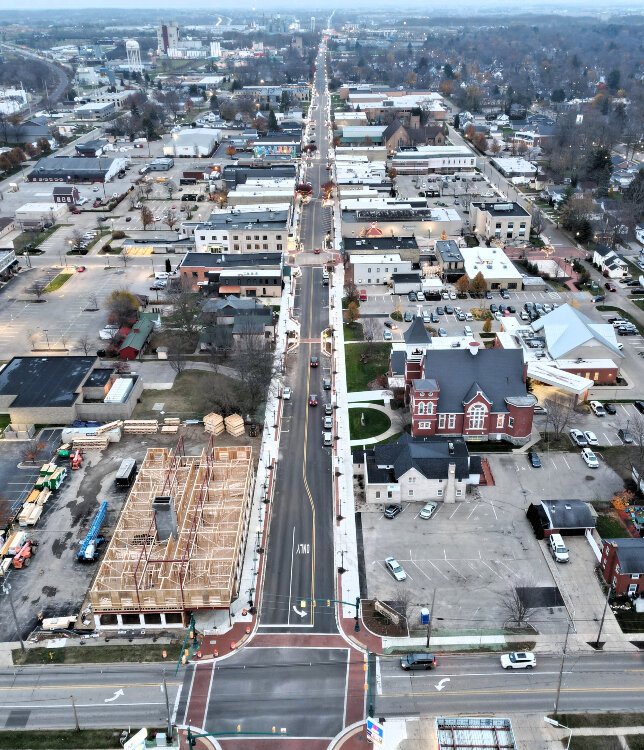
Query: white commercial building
[[192, 142], [377, 269], [39, 214], [494, 265], [513, 166], [426, 159]]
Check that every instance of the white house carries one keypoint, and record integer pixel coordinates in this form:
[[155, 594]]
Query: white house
[[610, 263]]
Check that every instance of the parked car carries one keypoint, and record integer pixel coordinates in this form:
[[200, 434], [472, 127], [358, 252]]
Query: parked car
[[534, 459], [610, 409], [591, 438], [538, 409], [488, 295], [387, 335], [327, 423], [505, 294], [519, 660], [326, 383], [625, 436], [389, 324], [440, 310], [577, 436], [639, 405], [590, 458], [394, 567], [328, 409], [433, 318], [449, 310], [287, 392], [391, 511], [411, 296], [442, 332], [313, 399], [452, 295], [428, 510], [417, 661], [409, 316], [598, 408], [494, 308], [420, 296]]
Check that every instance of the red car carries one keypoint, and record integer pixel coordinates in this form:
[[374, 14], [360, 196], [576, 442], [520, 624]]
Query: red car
[[315, 361], [317, 251], [313, 399], [80, 269]]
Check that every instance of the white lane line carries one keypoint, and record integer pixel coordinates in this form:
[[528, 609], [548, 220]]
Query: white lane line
[[290, 585]]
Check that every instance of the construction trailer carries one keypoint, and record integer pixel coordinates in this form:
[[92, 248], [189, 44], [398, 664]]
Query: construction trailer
[[179, 543]]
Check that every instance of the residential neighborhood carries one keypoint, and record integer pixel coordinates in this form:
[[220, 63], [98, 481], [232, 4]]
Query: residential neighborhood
[[321, 377]]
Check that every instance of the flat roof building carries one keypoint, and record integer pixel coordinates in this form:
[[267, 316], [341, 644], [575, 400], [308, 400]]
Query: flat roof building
[[494, 265], [75, 169], [501, 221]]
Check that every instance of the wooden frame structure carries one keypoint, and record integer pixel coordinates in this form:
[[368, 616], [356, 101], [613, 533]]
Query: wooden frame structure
[[200, 566]]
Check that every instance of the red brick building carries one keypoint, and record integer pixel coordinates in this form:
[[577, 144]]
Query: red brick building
[[622, 565], [476, 393]]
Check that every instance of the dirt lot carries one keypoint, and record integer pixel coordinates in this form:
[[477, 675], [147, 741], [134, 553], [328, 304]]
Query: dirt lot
[[55, 583]]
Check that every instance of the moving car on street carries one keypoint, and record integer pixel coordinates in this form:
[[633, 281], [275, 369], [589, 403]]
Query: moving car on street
[[519, 660]]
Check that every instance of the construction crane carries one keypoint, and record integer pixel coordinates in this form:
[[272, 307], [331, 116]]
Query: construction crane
[[88, 551]]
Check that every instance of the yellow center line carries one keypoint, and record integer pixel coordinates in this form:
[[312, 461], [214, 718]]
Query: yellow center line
[[304, 466]]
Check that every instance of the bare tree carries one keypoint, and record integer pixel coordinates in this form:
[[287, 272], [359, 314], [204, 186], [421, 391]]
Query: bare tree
[[32, 449], [38, 289], [514, 607], [125, 258], [403, 602], [186, 309], [252, 357], [92, 302], [171, 188], [369, 329], [176, 353], [84, 343], [351, 292], [75, 241], [33, 338], [170, 218], [560, 410], [147, 217], [538, 223]]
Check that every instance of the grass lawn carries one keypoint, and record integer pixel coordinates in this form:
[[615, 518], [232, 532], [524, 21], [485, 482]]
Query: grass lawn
[[361, 373], [56, 283], [620, 457], [635, 741], [593, 743], [4, 421], [609, 527], [638, 301], [39, 739], [189, 397], [630, 622], [375, 423], [353, 332], [606, 719], [390, 439], [143, 652], [34, 239]]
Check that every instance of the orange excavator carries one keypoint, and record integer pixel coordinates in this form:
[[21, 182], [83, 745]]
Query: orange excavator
[[22, 558]]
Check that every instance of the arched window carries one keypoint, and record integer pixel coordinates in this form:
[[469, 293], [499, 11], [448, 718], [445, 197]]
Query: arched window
[[421, 407], [476, 415], [425, 407]]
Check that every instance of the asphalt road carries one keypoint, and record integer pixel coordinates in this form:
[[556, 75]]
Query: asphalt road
[[118, 696], [477, 684], [300, 563]]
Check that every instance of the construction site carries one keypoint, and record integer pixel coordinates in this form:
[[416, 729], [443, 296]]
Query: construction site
[[179, 543]]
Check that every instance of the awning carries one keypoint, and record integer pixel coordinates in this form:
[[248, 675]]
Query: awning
[[229, 290], [567, 381]]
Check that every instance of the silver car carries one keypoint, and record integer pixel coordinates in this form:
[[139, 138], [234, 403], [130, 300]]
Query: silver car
[[393, 566]]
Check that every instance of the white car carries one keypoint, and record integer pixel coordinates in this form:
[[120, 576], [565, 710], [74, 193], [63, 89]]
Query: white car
[[578, 437], [591, 438], [452, 295], [286, 393], [393, 566], [428, 510], [519, 660], [598, 408], [590, 458]]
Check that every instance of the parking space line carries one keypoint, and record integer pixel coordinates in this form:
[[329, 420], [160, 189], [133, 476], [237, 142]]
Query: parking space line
[[566, 462], [439, 570], [500, 562], [625, 410], [415, 564], [456, 509], [492, 569], [606, 438]]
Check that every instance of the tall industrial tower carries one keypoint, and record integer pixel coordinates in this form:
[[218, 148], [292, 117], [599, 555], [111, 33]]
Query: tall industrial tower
[[312, 23], [133, 56]]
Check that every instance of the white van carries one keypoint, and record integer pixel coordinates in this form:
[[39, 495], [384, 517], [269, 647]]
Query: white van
[[558, 549], [161, 275]]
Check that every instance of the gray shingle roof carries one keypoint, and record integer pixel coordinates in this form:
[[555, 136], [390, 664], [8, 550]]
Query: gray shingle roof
[[568, 514], [417, 333], [397, 362], [630, 553], [497, 372]]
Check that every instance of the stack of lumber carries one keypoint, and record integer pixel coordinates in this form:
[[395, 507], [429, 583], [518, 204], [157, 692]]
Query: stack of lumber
[[171, 425], [91, 442], [234, 425], [30, 514], [140, 426], [213, 423], [117, 424]]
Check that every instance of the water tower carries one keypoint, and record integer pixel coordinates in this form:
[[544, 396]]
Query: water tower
[[133, 56]]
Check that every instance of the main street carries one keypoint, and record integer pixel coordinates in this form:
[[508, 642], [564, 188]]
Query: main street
[[477, 684]]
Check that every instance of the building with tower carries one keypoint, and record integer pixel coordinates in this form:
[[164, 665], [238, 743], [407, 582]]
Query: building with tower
[[167, 37]]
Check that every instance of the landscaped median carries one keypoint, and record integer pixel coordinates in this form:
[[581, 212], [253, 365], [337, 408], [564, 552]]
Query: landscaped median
[[39, 739], [58, 281], [135, 653]]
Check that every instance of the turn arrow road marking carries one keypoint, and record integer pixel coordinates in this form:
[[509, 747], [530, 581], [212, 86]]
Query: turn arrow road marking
[[116, 695], [442, 683]]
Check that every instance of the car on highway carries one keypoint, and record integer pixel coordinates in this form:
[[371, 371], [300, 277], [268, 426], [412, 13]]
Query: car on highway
[[81, 269], [287, 392], [391, 511], [610, 409], [534, 459], [428, 510], [589, 458], [625, 436], [519, 660], [394, 567], [314, 361], [598, 408], [313, 399], [591, 438], [578, 437]]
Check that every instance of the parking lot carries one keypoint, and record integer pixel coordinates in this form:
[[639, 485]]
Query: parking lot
[[470, 554], [605, 428], [62, 321]]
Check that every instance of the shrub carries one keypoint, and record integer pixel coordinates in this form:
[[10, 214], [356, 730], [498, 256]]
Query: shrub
[[119, 234]]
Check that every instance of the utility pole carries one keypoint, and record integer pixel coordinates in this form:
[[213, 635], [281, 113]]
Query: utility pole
[[168, 731], [431, 619], [563, 658], [77, 725], [6, 588], [608, 593]]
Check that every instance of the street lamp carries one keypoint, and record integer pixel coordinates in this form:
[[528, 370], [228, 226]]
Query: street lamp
[[46, 331], [554, 723], [6, 590]]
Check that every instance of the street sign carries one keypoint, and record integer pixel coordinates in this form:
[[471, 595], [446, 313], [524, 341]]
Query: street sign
[[374, 732], [137, 741]]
